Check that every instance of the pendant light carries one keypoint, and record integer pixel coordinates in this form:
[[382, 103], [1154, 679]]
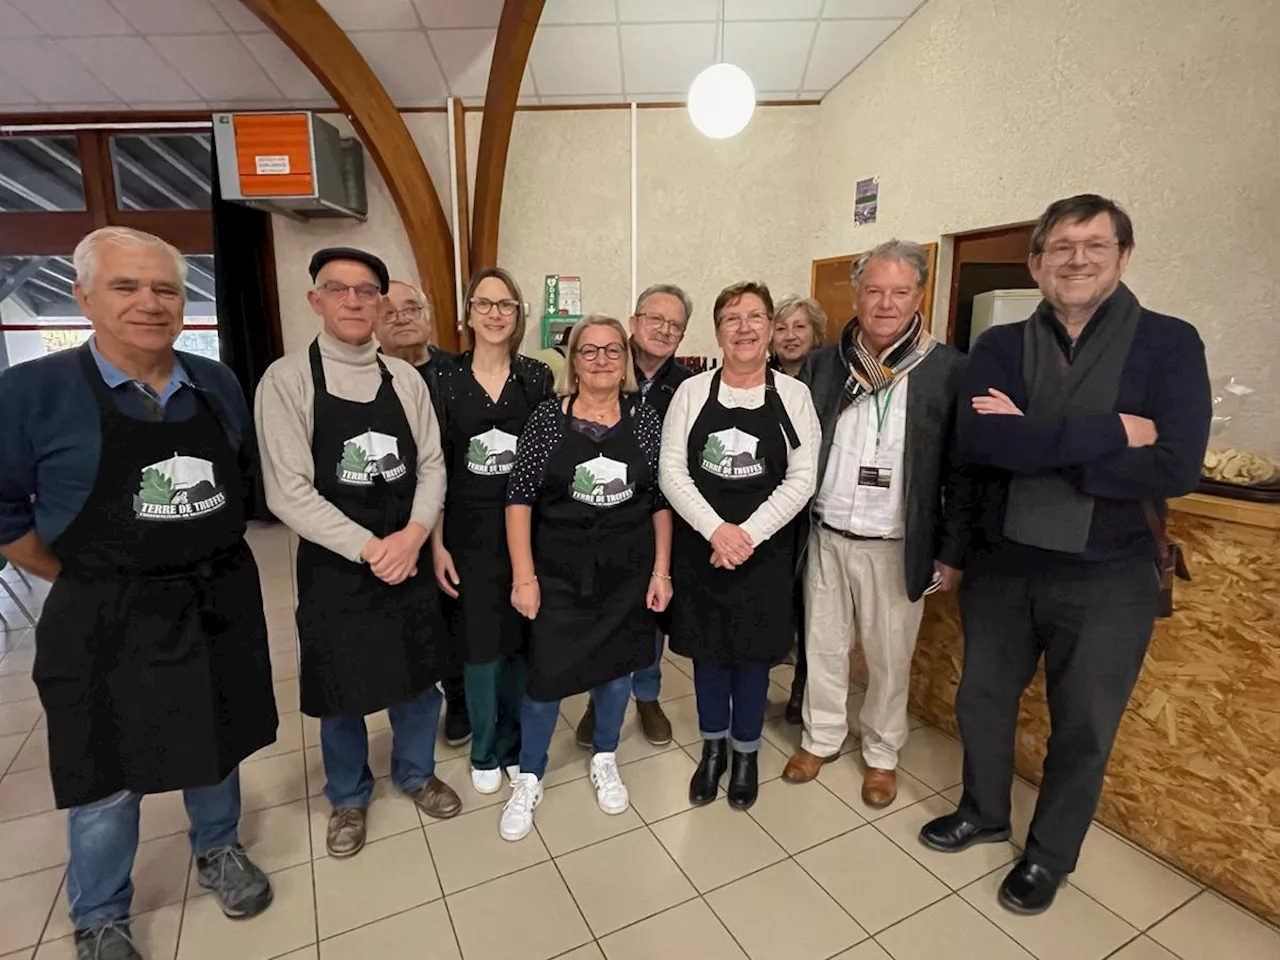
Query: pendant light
[[722, 97]]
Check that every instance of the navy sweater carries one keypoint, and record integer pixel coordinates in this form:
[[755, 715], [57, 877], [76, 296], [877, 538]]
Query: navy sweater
[[1165, 379]]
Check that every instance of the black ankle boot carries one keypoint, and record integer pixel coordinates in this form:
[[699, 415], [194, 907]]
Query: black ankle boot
[[744, 780], [706, 779], [795, 704]]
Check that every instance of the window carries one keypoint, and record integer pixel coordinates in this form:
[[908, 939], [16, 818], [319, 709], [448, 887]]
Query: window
[[56, 189]]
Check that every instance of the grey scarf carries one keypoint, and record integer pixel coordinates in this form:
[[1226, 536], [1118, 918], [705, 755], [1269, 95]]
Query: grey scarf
[[1045, 510]]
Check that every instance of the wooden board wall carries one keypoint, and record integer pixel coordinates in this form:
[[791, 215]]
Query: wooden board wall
[[830, 285]]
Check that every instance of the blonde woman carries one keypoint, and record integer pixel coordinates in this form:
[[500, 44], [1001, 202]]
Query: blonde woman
[[598, 568], [799, 327]]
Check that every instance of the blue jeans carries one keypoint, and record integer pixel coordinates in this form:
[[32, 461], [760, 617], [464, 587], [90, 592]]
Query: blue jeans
[[344, 746], [102, 838], [646, 684], [731, 702], [538, 722]]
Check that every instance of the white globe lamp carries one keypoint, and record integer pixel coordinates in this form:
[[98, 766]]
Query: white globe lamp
[[721, 101]]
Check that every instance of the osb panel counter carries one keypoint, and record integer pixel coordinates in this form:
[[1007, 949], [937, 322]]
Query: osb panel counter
[[1195, 775]]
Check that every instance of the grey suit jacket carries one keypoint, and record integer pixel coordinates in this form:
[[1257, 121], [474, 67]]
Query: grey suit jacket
[[937, 487]]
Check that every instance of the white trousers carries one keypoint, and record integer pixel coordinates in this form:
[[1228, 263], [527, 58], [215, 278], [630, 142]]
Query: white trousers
[[858, 584]]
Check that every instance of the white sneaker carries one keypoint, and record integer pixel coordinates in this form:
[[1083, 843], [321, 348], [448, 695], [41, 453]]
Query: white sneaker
[[512, 772], [611, 792], [517, 815], [486, 781]]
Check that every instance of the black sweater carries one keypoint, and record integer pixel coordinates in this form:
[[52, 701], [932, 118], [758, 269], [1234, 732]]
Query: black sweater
[[1164, 379]]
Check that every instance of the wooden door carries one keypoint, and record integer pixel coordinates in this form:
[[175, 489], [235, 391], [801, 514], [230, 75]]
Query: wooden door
[[984, 260], [831, 286]]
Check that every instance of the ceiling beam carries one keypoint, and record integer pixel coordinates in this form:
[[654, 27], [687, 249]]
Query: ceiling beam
[[510, 55], [308, 30]]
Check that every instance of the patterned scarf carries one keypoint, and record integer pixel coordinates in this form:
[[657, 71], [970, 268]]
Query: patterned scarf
[[869, 373]]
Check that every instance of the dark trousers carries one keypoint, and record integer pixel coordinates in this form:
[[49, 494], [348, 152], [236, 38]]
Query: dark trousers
[[731, 702], [1092, 623], [797, 605], [494, 691]]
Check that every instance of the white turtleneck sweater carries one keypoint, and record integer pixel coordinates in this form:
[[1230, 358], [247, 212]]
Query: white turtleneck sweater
[[283, 415]]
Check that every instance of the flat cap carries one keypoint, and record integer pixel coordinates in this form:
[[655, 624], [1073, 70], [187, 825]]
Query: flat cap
[[329, 254]]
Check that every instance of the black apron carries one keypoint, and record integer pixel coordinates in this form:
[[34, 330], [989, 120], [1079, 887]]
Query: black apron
[[593, 550], [736, 459], [151, 655], [481, 448], [365, 645]]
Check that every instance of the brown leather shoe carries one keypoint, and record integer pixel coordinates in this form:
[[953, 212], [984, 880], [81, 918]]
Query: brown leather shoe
[[879, 787], [587, 726], [437, 799], [804, 766], [653, 722], [345, 835]]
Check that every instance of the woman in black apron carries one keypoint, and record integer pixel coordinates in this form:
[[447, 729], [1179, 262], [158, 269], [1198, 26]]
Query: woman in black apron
[[482, 401], [734, 463], [589, 535]]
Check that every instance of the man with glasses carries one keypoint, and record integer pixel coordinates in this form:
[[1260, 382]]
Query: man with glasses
[[661, 317], [352, 463], [1079, 422]]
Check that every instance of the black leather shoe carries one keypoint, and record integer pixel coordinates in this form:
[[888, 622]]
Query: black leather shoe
[[795, 704], [953, 833], [706, 779], [1029, 888], [457, 725], [744, 780]]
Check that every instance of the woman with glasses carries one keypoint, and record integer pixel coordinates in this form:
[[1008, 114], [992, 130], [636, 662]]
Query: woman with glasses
[[739, 449], [590, 541], [483, 399]]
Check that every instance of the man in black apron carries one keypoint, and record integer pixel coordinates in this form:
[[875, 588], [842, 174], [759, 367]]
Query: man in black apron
[[352, 463], [151, 654]]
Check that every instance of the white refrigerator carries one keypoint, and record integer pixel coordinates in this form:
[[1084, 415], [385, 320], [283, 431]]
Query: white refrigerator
[[1000, 306]]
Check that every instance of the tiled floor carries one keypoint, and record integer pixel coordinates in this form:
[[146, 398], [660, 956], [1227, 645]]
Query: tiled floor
[[810, 873]]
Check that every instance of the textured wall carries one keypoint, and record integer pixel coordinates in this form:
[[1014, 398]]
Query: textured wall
[[973, 116]]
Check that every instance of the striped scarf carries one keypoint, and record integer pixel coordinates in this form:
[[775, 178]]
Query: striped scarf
[[869, 373]]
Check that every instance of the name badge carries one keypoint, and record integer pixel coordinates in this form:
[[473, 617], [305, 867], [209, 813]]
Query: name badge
[[880, 478]]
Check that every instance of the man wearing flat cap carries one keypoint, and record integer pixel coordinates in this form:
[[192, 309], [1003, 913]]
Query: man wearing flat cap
[[352, 464]]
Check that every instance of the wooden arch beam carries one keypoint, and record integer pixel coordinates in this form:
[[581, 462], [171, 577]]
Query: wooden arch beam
[[311, 33], [510, 55]]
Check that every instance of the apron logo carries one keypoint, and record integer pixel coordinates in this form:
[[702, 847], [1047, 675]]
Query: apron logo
[[491, 453], [731, 454], [601, 482], [180, 488], [370, 455]]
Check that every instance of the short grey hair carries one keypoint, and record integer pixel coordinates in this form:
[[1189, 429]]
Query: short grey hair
[[567, 379], [417, 292], [671, 290], [813, 312], [904, 251], [85, 256]]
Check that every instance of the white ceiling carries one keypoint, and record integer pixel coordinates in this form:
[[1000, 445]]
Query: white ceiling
[[196, 54]]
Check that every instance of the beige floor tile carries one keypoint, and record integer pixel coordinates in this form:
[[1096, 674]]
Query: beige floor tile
[[587, 952], [33, 843], [155, 933], [871, 878], [390, 813], [1076, 928], [10, 747], [867, 950], [16, 663], [286, 695], [683, 664], [690, 930], [314, 767], [282, 639], [457, 774], [716, 844], [802, 815], [310, 730], [34, 754], [956, 870], [534, 902], [284, 665], [570, 818], [25, 903], [565, 760], [950, 929], [272, 782], [1142, 948], [288, 738], [278, 838], [468, 850], [288, 925], [843, 777], [780, 913], [659, 786], [776, 698], [384, 878], [683, 714], [16, 688], [1209, 925], [1127, 881], [784, 736], [413, 935], [632, 746], [932, 758], [163, 814], [25, 793], [623, 880], [17, 718], [675, 683], [27, 953], [306, 953], [572, 708]]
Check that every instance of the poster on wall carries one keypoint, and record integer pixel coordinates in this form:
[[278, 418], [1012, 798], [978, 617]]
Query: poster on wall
[[865, 195]]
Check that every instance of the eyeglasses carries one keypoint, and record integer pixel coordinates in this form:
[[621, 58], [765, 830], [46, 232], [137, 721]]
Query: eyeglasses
[[655, 322], [365, 292], [483, 305], [590, 352], [410, 311], [1095, 251], [757, 319]]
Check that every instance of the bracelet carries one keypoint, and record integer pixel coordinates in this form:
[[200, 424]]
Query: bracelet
[[528, 583], [660, 576]]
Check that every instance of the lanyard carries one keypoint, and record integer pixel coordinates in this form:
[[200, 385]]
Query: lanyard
[[882, 413]]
